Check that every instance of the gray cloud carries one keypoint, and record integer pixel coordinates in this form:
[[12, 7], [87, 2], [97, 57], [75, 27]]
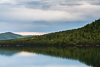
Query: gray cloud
[[55, 10], [40, 26], [46, 15]]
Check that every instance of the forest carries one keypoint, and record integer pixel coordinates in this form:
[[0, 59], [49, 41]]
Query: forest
[[89, 35]]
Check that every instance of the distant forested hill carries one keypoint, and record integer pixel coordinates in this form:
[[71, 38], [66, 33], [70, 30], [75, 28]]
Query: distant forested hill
[[87, 35], [9, 35]]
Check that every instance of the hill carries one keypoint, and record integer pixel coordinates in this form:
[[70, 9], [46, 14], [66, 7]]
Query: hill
[[87, 35], [9, 35]]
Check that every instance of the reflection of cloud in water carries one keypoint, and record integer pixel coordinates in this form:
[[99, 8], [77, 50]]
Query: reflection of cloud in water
[[23, 53]]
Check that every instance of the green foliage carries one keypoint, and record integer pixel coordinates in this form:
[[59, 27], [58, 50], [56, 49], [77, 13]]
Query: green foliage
[[87, 35]]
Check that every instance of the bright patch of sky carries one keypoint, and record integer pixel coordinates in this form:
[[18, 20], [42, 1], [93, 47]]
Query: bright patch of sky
[[46, 15]]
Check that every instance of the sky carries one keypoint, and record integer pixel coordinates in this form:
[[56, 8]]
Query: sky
[[37, 17]]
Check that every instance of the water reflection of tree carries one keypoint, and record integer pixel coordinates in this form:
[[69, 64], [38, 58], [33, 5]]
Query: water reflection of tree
[[87, 55]]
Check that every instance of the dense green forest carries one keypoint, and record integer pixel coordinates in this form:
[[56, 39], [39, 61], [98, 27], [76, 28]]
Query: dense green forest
[[88, 55], [87, 35]]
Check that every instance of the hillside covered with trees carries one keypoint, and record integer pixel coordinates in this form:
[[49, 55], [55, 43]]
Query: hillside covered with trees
[[87, 35], [9, 35]]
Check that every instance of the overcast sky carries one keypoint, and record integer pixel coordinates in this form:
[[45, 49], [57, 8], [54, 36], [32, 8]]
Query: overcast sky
[[43, 16]]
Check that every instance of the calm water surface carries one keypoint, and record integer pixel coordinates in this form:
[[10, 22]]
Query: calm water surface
[[21, 58]]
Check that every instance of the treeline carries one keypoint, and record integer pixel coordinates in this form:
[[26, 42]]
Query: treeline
[[87, 35]]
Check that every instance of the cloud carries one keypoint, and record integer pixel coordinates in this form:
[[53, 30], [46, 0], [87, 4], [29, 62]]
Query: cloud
[[22, 15], [22, 26], [7, 2], [25, 14], [66, 66], [56, 11], [30, 33], [70, 14]]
